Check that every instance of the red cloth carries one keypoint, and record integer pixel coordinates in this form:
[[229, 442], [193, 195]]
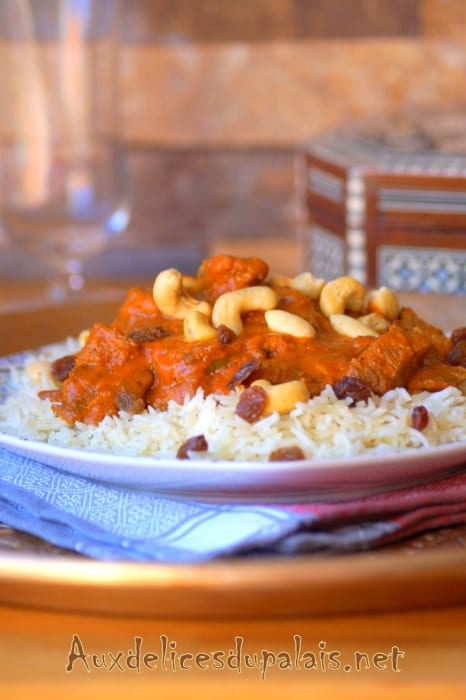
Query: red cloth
[[377, 520]]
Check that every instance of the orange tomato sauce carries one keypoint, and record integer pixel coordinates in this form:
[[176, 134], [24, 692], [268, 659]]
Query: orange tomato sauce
[[143, 359]]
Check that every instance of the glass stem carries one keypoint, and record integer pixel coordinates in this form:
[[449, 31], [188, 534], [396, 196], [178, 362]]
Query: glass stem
[[65, 282]]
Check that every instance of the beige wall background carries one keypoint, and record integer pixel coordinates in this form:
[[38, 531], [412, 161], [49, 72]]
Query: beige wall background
[[279, 90], [215, 97]]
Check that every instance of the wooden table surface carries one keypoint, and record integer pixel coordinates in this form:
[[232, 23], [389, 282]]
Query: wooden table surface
[[413, 649]]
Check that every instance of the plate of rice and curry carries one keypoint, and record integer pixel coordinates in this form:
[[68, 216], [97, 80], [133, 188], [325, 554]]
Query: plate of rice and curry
[[238, 383]]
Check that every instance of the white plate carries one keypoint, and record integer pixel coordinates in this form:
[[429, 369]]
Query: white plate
[[302, 480], [242, 481]]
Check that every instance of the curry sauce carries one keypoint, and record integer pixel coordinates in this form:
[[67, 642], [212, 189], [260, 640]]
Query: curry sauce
[[144, 358]]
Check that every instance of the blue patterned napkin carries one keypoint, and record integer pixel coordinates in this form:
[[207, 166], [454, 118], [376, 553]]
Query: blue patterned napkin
[[111, 523]]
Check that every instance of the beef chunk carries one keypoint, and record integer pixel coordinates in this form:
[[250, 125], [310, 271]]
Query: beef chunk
[[388, 361]]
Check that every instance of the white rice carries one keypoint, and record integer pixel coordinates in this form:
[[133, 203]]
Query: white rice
[[324, 428]]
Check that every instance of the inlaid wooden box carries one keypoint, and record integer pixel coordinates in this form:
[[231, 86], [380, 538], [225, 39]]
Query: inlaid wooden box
[[386, 203]]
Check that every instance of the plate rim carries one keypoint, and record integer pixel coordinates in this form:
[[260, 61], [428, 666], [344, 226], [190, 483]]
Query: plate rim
[[243, 482]]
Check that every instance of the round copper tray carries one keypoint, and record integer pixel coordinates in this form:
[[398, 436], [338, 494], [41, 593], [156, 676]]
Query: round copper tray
[[423, 571]]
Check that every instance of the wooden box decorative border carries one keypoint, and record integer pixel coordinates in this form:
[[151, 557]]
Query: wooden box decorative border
[[385, 216]]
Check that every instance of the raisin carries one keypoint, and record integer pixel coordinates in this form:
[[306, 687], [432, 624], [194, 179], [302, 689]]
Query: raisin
[[225, 334], [147, 335], [286, 454], [419, 417], [54, 395], [353, 388], [458, 334], [251, 403], [198, 443], [128, 402], [61, 368], [243, 373], [457, 355]]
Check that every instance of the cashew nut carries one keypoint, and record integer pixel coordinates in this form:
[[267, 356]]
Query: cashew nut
[[282, 398], [229, 306], [83, 337], [352, 327], [305, 282], [196, 326], [172, 299], [342, 294], [384, 302], [285, 322], [376, 322], [40, 373], [191, 284]]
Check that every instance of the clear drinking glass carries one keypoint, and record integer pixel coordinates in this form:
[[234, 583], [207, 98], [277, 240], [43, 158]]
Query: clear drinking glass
[[62, 174]]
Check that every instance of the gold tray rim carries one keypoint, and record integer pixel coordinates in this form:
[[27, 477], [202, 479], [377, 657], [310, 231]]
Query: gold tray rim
[[253, 587]]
